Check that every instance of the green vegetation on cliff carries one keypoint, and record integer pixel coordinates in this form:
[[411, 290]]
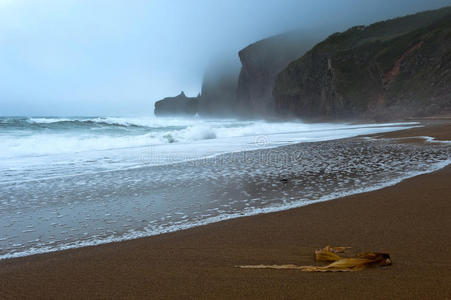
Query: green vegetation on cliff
[[391, 69]]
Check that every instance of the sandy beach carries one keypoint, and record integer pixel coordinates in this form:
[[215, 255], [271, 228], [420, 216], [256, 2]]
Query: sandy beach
[[204, 150], [410, 220]]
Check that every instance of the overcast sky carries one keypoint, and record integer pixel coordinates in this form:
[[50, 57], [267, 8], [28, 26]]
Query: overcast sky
[[114, 57]]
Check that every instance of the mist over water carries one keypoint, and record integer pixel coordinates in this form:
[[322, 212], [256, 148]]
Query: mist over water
[[81, 57]]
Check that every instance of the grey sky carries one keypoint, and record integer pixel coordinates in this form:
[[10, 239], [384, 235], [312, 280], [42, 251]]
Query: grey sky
[[99, 57]]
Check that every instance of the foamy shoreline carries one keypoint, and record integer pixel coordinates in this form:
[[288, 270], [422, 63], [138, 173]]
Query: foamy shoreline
[[226, 216], [219, 219]]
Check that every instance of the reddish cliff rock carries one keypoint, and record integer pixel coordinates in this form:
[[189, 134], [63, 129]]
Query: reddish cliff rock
[[388, 70]]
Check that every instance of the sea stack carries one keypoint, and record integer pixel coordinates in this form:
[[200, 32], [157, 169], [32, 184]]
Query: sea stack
[[178, 105]]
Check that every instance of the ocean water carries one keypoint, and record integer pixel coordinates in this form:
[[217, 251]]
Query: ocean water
[[71, 182], [43, 148]]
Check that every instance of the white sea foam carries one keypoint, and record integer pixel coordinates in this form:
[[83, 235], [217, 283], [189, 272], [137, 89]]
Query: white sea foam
[[133, 234], [46, 120], [60, 151], [25, 142], [73, 182]]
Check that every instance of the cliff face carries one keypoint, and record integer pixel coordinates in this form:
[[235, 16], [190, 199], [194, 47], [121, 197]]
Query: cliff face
[[391, 69], [261, 62], [247, 93], [179, 105]]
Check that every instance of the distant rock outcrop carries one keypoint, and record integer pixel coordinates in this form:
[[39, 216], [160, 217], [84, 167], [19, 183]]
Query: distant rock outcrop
[[392, 69], [217, 97], [179, 105], [261, 62]]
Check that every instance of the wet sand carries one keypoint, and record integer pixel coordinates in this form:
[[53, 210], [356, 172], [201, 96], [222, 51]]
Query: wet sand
[[438, 129], [410, 220]]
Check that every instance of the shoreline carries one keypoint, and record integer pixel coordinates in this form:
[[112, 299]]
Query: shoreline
[[222, 218], [182, 258], [300, 202]]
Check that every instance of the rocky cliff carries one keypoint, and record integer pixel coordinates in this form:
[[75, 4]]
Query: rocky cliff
[[227, 91], [179, 105], [261, 62], [397, 68]]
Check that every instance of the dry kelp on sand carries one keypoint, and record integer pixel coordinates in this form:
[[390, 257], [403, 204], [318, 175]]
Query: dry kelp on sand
[[339, 264]]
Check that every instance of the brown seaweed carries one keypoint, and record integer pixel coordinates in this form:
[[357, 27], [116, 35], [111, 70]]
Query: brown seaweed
[[339, 264]]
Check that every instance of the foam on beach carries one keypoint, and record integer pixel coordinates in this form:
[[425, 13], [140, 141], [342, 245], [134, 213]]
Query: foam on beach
[[61, 213]]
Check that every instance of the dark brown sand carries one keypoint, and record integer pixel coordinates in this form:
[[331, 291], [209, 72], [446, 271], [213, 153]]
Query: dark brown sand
[[411, 221], [438, 130]]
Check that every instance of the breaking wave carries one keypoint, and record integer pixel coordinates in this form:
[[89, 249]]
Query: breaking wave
[[24, 137]]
